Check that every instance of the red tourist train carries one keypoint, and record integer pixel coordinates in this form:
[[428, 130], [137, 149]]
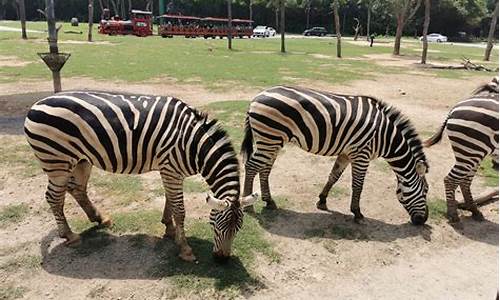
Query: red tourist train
[[140, 24], [192, 27]]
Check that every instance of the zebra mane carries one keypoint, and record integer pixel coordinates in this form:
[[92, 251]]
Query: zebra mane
[[408, 130], [490, 87]]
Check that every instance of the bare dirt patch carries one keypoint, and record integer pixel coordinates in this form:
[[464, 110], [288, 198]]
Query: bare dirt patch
[[12, 61]]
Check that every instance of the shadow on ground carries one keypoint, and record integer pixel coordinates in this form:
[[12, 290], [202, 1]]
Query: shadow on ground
[[13, 109], [140, 256], [339, 226]]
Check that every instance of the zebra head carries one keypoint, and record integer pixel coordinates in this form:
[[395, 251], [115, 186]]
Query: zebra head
[[412, 194], [226, 217]]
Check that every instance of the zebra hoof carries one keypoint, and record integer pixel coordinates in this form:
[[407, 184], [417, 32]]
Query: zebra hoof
[[169, 234], [321, 205], [271, 205], [187, 255], [453, 218], [72, 240], [106, 222], [477, 216]]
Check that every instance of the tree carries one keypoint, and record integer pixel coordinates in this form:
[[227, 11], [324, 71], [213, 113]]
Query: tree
[[404, 10], [427, 20], [337, 26], [369, 5], [491, 33], [229, 25], [91, 19], [356, 29], [22, 16], [282, 25]]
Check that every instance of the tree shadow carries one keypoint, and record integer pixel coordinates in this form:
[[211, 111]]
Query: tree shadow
[[13, 109], [338, 226], [141, 256]]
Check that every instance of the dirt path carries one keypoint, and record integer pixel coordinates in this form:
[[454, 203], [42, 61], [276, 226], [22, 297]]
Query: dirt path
[[322, 254]]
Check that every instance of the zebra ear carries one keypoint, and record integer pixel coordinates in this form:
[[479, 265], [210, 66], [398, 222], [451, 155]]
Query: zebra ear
[[249, 200], [421, 168], [216, 204]]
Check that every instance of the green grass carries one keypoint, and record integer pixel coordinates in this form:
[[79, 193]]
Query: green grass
[[124, 188], [13, 213], [10, 292], [437, 208], [26, 262], [489, 175], [18, 158], [190, 185], [231, 115], [255, 62]]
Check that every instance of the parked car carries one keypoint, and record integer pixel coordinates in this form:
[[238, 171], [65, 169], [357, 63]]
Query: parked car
[[317, 31], [263, 31], [435, 37]]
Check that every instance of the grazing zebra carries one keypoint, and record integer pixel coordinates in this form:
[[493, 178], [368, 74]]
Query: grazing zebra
[[472, 127], [130, 134], [357, 129]]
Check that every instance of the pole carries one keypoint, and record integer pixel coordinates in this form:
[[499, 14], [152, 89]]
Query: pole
[[229, 26]]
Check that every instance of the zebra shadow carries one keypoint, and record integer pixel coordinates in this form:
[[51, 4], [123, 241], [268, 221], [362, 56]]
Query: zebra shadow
[[338, 226], [102, 255]]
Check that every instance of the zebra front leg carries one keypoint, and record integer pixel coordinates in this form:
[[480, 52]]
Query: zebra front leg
[[250, 172], [359, 168], [77, 187], [450, 186], [469, 201], [264, 187], [55, 195], [338, 168], [167, 210], [175, 198]]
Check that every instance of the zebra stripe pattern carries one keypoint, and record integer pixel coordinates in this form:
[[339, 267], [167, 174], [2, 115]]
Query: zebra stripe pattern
[[472, 127], [132, 134], [357, 129]]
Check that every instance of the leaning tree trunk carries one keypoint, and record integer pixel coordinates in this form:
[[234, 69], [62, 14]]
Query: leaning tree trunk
[[356, 29], [399, 34], [282, 25], [115, 8], [368, 23], [337, 27], [493, 24], [250, 10], [91, 19], [229, 26], [427, 20], [22, 16]]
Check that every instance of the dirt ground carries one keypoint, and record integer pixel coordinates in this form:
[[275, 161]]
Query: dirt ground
[[384, 258]]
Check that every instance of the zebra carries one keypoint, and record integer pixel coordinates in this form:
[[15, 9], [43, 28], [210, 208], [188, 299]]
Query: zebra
[[472, 127], [70, 132], [356, 129]]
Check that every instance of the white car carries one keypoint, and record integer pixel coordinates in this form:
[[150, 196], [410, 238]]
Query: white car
[[435, 37], [263, 31]]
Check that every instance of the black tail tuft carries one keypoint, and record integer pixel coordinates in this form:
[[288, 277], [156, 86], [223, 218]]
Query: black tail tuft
[[247, 144]]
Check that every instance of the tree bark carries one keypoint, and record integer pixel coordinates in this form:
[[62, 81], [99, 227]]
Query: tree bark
[[229, 26], [493, 25], [356, 29], [115, 8], [399, 34], [91, 19], [129, 5], [276, 18], [122, 9], [427, 20], [22, 16], [308, 13], [402, 17], [282, 25], [337, 27], [51, 24], [250, 10], [368, 21]]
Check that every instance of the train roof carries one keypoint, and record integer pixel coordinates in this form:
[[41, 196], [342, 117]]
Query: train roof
[[179, 17], [242, 21], [141, 12]]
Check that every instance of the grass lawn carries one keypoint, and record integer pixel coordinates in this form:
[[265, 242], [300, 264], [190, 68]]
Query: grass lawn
[[253, 62]]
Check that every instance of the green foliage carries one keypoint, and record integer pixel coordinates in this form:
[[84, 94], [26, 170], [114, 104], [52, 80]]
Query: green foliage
[[437, 208], [13, 213], [489, 174]]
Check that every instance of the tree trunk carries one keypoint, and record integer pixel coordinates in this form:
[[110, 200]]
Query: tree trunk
[[122, 8], [427, 20], [229, 26], [51, 24], [250, 10], [399, 34], [368, 23], [276, 18], [115, 8], [387, 30], [282, 25], [22, 16], [337, 27], [493, 25], [91, 19], [308, 14], [129, 5]]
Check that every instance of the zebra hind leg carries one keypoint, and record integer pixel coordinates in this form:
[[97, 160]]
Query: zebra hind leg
[[264, 187], [338, 168], [359, 167], [469, 201], [77, 187], [167, 211], [450, 186], [55, 195]]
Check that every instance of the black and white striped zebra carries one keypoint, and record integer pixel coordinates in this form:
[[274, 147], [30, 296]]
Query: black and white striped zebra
[[472, 127], [357, 129], [131, 134]]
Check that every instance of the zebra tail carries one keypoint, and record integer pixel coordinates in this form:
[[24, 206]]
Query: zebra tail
[[247, 144], [437, 136]]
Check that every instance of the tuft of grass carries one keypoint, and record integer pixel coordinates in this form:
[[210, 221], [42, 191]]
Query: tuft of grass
[[489, 174], [10, 292], [18, 158], [13, 213], [125, 188], [26, 262], [190, 185], [437, 208]]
